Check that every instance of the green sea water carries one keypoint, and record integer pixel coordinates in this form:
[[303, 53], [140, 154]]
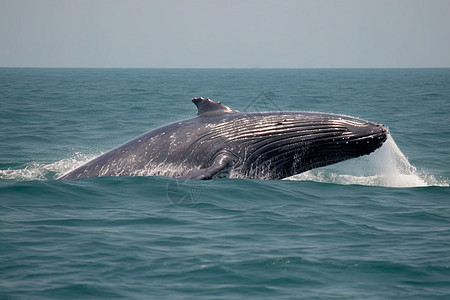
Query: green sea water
[[376, 227]]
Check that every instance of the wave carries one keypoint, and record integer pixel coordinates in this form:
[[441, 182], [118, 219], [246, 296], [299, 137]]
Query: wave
[[44, 171], [387, 167]]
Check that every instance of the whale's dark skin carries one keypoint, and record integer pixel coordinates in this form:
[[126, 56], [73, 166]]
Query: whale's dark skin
[[222, 142]]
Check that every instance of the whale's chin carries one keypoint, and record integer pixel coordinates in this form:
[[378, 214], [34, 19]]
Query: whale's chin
[[221, 141]]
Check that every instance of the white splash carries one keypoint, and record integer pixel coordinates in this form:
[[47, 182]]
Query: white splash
[[43, 171], [387, 166]]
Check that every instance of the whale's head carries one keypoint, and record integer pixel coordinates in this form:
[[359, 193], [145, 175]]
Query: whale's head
[[283, 144]]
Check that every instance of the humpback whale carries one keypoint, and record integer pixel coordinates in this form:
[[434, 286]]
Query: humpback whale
[[223, 142]]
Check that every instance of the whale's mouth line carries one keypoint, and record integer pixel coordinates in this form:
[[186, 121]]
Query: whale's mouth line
[[315, 152], [295, 140], [352, 138], [269, 132], [270, 145], [282, 126]]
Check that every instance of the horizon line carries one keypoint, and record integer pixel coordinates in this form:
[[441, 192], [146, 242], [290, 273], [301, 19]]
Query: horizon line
[[224, 68]]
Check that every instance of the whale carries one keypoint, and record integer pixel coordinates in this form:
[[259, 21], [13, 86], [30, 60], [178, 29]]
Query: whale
[[224, 142]]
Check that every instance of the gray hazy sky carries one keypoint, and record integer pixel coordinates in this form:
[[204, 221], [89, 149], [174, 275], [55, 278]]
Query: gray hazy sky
[[225, 34]]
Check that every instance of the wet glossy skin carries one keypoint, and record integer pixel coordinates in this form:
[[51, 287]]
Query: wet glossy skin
[[223, 142]]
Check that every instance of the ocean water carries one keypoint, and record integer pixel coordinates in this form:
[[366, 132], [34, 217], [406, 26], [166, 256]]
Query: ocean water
[[376, 227]]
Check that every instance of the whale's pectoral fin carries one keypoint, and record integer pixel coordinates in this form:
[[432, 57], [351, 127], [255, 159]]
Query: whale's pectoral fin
[[221, 165]]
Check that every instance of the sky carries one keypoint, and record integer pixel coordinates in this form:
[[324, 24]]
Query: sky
[[225, 34]]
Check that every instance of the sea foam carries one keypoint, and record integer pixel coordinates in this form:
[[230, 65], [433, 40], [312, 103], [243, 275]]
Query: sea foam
[[387, 166]]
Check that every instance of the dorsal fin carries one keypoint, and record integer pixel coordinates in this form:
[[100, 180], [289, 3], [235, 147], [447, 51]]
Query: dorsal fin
[[206, 107]]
